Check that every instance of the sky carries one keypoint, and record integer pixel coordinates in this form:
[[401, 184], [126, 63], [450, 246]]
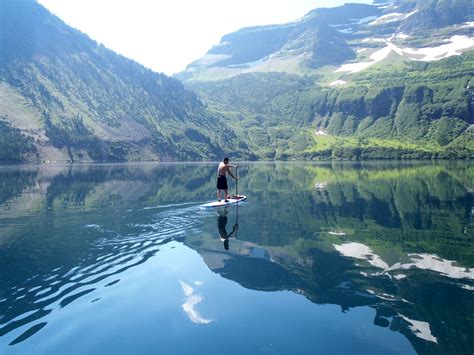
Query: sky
[[167, 35]]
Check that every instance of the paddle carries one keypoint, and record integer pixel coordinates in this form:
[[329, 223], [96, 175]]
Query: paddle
[[237, 182], [236, 226]]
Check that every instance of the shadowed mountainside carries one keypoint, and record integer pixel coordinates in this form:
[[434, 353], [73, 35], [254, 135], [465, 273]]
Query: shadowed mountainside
[[66, 97]]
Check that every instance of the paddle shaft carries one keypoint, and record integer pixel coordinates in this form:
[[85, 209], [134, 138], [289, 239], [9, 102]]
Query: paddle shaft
[[236, 181]]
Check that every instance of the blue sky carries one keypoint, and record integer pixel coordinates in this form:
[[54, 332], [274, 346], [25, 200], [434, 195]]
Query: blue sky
[[168, 35]]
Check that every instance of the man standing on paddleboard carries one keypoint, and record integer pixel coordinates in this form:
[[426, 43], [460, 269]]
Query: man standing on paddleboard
[[222, 171]]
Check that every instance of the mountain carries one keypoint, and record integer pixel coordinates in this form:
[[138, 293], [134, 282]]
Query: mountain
[[388, 80], [65, 97]]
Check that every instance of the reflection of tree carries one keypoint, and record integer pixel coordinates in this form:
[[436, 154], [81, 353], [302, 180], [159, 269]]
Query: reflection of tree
[[14, 181], [76, 185], [73, 188], [419, 207]]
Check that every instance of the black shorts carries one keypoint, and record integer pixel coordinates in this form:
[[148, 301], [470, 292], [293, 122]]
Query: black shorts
[[222, 183]]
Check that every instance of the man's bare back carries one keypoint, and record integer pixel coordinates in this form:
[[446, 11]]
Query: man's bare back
[[223, 169]]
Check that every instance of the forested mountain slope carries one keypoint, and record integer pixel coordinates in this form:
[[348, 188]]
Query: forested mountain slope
[[64, 97]]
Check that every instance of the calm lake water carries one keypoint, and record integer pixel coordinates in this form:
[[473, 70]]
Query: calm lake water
[[338, 258]]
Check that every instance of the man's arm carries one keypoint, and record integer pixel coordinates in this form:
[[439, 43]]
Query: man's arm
[[230, 173]]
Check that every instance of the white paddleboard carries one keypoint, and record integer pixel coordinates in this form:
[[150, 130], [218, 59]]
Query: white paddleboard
[[230, 201]]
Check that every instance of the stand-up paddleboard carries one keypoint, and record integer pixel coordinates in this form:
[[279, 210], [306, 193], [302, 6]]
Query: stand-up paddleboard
[[230, 201], [233, 199]]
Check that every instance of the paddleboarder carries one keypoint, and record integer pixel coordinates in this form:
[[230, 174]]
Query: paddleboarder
[[222, 171]]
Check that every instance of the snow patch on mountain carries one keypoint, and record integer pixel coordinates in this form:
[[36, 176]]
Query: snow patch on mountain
[[374, 39], [391, 17], [365, 20], [467, 25], [384, 5], [210, 59], [347, 30], [454, 46], [401, 36], [374, 58], [428, 54], [249, 64]]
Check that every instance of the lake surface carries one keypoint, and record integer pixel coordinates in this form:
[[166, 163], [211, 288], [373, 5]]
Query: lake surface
[[339, 258]]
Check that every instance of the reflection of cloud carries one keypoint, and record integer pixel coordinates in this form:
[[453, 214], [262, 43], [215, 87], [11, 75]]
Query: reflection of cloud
[[191, 301], [420, 261], [421, 329]]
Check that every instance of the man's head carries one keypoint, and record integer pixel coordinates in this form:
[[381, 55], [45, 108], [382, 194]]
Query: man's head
[[226, 160]]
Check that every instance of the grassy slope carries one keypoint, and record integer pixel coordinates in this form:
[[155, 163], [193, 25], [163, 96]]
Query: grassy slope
[[278, 114]]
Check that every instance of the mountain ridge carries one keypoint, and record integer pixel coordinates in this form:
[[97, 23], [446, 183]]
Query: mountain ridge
[[73, 99], [390, 94]]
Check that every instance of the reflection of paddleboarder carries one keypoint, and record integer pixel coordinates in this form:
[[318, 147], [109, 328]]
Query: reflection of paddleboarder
[[221, 227]]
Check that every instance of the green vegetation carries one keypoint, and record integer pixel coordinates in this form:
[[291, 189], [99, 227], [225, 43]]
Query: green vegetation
[[398, 108], [94, 104], [15, 147], [403, 111]]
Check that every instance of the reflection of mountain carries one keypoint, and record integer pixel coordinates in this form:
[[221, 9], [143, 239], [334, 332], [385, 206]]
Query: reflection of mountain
[[69, 231], [89, 224], [430, 310], [397, 239], [393, 207], [14, 181]]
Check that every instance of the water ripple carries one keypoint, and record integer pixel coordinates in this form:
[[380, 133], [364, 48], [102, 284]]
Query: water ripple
[[110, 254]]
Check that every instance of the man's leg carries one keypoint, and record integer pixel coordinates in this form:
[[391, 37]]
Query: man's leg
[[218, 195], [225, 194]]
